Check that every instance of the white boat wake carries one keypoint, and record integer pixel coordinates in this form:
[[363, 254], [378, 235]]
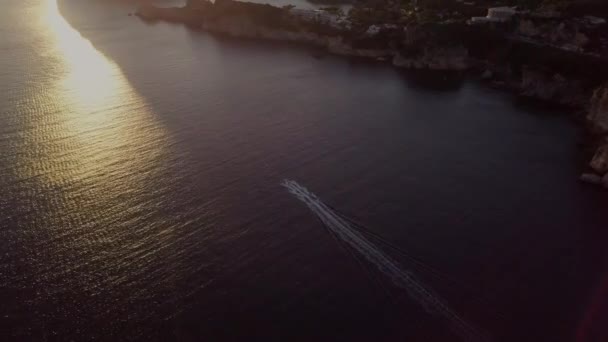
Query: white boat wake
[[404, 279]]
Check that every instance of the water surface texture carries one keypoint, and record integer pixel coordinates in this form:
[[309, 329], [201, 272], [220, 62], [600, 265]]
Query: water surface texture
[[141, 199]]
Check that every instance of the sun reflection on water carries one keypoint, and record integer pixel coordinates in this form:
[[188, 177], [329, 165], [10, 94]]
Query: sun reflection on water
[[97, 110], [91, 153], [90, 157], [93, 145], [92, 80]]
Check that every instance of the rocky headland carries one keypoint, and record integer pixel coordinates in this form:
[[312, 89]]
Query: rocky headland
[[554, 53]]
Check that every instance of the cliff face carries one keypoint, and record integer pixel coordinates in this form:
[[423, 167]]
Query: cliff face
[[553, 88], [598, 117], [148, 12], [243, 27], [338, 46], [435, 58], [599, 163], [433, 46], [598, 109]]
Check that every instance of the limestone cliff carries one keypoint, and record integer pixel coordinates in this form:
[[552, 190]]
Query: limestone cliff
[[435, 58], [552, 87], [338, 46], [599, 163], [598, 109], [243, 27], [598, 117]]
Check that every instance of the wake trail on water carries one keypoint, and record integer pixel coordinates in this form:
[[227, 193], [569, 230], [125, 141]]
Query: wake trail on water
[[404, 279]]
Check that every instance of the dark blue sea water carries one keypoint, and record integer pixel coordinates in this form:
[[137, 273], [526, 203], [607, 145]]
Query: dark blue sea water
[[140, 172]]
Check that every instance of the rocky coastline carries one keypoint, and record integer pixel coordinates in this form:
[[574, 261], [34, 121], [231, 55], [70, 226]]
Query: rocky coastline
[[541, 55]]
